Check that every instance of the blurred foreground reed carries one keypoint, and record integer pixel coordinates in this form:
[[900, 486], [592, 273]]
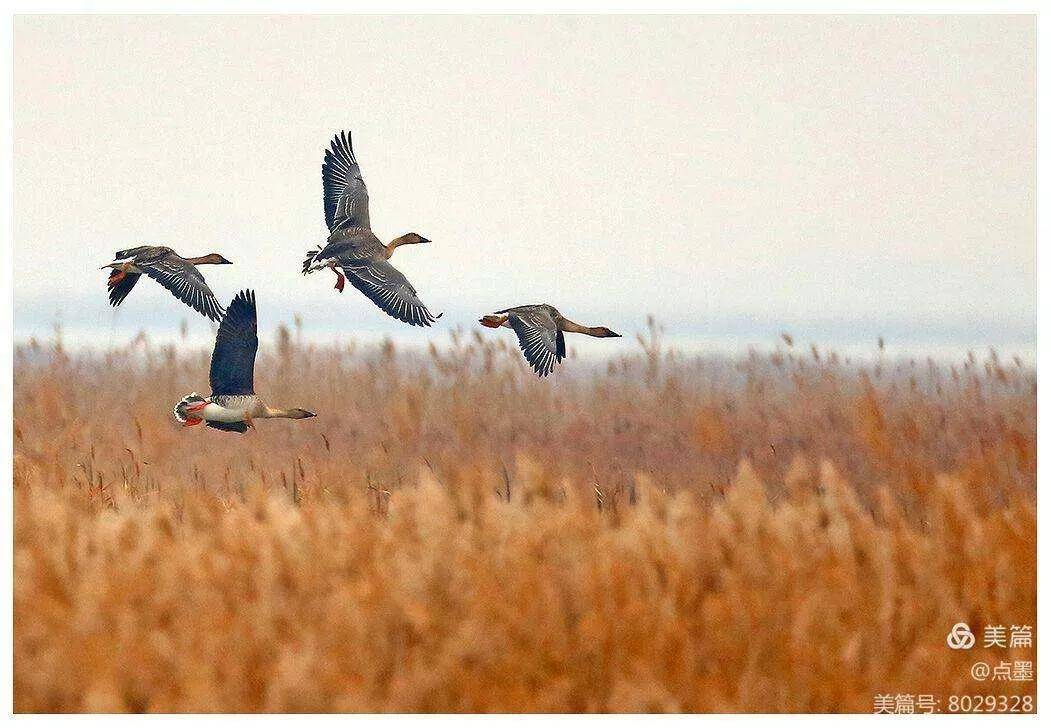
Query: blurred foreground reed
[[783, 532]]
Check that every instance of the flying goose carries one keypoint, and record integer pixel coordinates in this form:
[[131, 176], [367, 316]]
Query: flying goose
[[179, 275], [233, 403], [539, 328], [353, 252]]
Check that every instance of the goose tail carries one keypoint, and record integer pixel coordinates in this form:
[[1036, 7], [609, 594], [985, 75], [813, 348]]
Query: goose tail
[[187, 408], [310, 262]]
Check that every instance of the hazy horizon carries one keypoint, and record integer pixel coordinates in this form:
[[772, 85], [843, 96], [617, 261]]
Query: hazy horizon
[[836, 177]]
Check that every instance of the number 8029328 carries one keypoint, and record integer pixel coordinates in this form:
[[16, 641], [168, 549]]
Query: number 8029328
[[990, 704]]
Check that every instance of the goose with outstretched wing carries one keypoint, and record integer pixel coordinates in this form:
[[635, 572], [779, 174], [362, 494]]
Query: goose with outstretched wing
[[176, 273], [233, 403], [353, 252], [539, 328]]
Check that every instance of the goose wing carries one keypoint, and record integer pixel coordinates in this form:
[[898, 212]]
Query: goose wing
[[388, 288], [346, 197], [228, 426], [539, 336], [145, 251], [233, 360], [119, 289], [184, 281]]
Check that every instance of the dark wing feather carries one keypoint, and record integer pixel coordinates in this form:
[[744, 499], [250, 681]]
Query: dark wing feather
[[119, 291], [185, 282], [233, 361], [539, 337], [229, 426], [133, 252], [388, 288], [346, 197]]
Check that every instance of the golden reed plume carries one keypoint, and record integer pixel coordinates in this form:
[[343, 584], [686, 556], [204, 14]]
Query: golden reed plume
[[786, 533]]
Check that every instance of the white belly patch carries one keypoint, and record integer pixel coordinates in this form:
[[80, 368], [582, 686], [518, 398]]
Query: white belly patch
[[217, 413]]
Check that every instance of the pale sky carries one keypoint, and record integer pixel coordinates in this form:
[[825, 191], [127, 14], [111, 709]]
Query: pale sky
[[834, 176]]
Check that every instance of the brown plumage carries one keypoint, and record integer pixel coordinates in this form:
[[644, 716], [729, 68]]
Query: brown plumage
[[353, 252], [539, 328], [233, 403], [179, 275]]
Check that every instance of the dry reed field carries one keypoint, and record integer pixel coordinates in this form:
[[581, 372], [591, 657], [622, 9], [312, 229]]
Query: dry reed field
[[786, 531]]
